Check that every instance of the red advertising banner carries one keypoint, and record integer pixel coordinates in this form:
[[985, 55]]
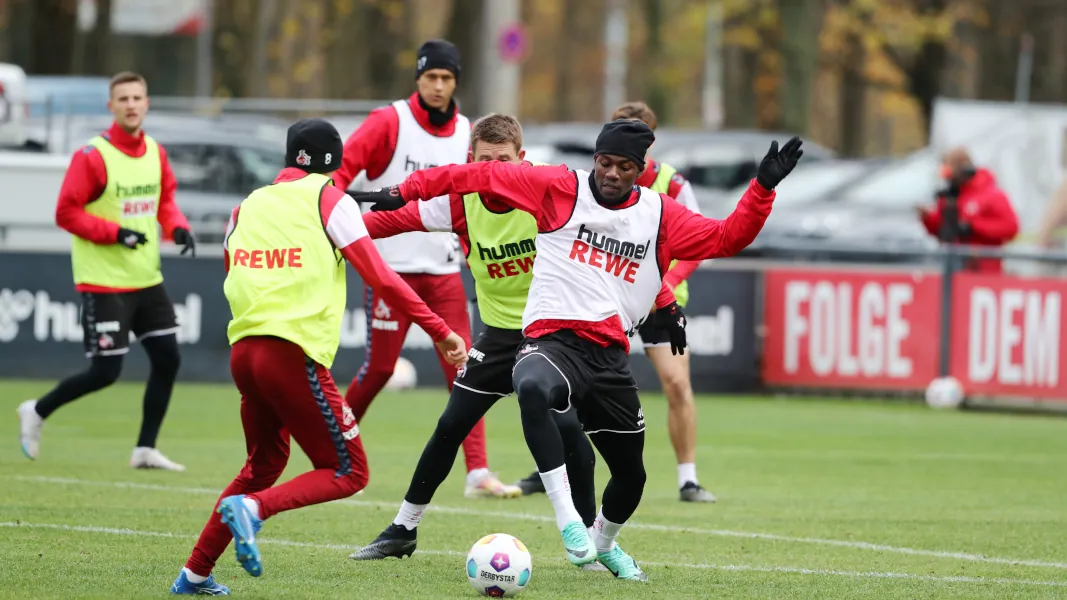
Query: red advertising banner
[[1009, 335], [851, 329]]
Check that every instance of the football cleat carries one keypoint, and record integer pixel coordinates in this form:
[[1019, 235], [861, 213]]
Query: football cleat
[[576, 541], [491, 487], [29, 428], [395, 542], [209, 587], [621, 565], [531, 485], [244, 526], [150, 458], [693, 492]]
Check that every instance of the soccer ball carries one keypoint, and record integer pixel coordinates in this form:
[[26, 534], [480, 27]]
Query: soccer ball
[[404, 376], [499, 566], [944, 392]]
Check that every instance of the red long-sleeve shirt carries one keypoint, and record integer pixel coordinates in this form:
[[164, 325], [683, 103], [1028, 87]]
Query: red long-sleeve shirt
[[549, 193], [985, 208], [86, 180], [344, 226], [682, 191], [370, 147]]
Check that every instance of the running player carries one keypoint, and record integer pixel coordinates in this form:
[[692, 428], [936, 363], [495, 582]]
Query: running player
[[116, 197], [285, 249], [425, 130], [603, 245], [672, 367], [499, 244]]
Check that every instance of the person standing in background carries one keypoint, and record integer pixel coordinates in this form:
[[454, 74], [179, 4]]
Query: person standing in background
[[971, 210], [673, 369], [115, 191], [425, 130]]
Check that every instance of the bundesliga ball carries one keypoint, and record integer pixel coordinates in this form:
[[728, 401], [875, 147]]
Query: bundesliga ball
[[404, 376], [499, 566], [944, 392]]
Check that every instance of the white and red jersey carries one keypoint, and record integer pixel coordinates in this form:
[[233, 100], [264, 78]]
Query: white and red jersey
[[552, 195], [416, 147], [599, 264], [343, 224]]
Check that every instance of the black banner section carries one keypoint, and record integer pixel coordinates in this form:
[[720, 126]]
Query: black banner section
[[40, 334]]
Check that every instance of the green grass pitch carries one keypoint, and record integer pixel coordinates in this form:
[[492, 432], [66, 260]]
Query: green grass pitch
[[817, 499]]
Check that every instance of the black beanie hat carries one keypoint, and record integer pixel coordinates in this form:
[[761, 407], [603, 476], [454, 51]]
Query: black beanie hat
[[314, 146], [437, 54], [628, 138]]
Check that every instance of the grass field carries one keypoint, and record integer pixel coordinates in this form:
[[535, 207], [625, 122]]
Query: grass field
[[817, 499]]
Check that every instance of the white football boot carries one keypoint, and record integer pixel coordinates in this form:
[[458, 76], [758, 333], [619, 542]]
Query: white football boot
[[29, 428], [150, 458]]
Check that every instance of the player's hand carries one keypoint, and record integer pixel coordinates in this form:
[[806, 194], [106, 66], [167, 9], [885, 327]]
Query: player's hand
[[380, 199], [453, 349], [671, 319], [184, 238], [130, 238], [779, 163]]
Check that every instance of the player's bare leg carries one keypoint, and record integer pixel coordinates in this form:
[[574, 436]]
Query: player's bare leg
[[673, 371]]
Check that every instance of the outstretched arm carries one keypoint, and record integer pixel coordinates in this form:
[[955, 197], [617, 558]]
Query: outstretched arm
[[345, 228], [690, 236], [525, 187]]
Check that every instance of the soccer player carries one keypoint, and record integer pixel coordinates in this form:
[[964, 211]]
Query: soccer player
[[285, 249], [672, 367], [118, 191], [499, 244], [603, 245], [425, 130]]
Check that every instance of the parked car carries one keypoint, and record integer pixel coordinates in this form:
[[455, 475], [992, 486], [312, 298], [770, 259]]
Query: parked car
[[874, 209], [13, 106]]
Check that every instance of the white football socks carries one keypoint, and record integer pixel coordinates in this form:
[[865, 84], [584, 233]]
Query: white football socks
[[193, 577], [687, 472], [251, 505], [475, 476], [605, 532], [410, 515], [558, 489]]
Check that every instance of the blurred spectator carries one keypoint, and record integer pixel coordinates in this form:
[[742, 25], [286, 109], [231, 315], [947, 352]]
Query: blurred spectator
[[971, 209], [1055, 218]]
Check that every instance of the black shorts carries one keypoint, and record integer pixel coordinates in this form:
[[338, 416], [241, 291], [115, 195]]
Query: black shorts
[[653, 336], [601, 386], [490, 362], [108, 319]]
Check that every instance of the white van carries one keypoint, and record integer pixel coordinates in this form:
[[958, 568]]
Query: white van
[[14, 108]]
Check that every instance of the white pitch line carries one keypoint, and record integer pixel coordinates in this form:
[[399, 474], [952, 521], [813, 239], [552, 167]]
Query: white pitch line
[[702, 566], [967, 556]]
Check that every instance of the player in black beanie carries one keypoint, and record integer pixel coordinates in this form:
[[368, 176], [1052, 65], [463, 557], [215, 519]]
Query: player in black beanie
[[437, 71], [313, 146], [619, 159]]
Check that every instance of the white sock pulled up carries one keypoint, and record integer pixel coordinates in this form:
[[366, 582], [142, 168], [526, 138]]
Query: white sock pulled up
[[409, 515], [687, 472], [558, 489], [605, 532]]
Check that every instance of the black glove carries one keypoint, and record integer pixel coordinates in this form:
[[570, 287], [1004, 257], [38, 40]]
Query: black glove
[[380, 199], [130, 238], [778, 163], [671, 319], [184, 238]]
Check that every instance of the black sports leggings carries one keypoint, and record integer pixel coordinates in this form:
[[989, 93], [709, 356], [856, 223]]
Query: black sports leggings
[[540, 386], [464, 409], [105, 370]]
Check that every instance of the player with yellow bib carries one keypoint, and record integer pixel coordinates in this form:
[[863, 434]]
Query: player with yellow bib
[[673, 370], [285, 249], [117, 201], [499, 244]]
